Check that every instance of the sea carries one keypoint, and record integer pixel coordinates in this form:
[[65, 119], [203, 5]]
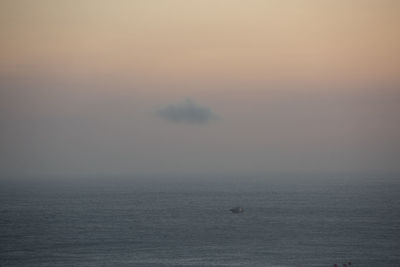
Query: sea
[[288, 220]]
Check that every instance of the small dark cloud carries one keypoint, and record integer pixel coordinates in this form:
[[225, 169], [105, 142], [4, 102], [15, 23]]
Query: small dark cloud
[[187, 112]]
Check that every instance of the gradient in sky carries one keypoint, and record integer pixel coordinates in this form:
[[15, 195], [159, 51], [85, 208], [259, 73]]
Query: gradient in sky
[[100, 87]]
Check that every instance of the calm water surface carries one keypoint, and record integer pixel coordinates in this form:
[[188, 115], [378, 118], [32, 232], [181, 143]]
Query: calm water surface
[[287, 222]]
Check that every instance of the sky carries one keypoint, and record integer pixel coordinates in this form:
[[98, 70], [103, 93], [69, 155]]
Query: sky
[[194, 87]]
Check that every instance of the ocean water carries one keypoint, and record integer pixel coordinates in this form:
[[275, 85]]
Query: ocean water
[[187, 222]]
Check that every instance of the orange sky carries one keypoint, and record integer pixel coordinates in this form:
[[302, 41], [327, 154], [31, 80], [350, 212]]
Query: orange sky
[[297, 84], [244, 40]]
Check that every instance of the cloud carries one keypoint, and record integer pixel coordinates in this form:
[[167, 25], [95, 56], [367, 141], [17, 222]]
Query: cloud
[[187, 112]]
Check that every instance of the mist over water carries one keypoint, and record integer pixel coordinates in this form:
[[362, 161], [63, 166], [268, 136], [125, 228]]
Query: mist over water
[[198, 99], [289, 220]]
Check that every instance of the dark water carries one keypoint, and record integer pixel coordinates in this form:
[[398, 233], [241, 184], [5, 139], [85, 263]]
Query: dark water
[[287, 222]]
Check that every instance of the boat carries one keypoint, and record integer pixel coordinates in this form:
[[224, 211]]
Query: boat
[[237, 210]]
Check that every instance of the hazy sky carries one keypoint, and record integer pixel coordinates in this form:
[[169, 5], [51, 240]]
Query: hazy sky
[[210, 86]]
